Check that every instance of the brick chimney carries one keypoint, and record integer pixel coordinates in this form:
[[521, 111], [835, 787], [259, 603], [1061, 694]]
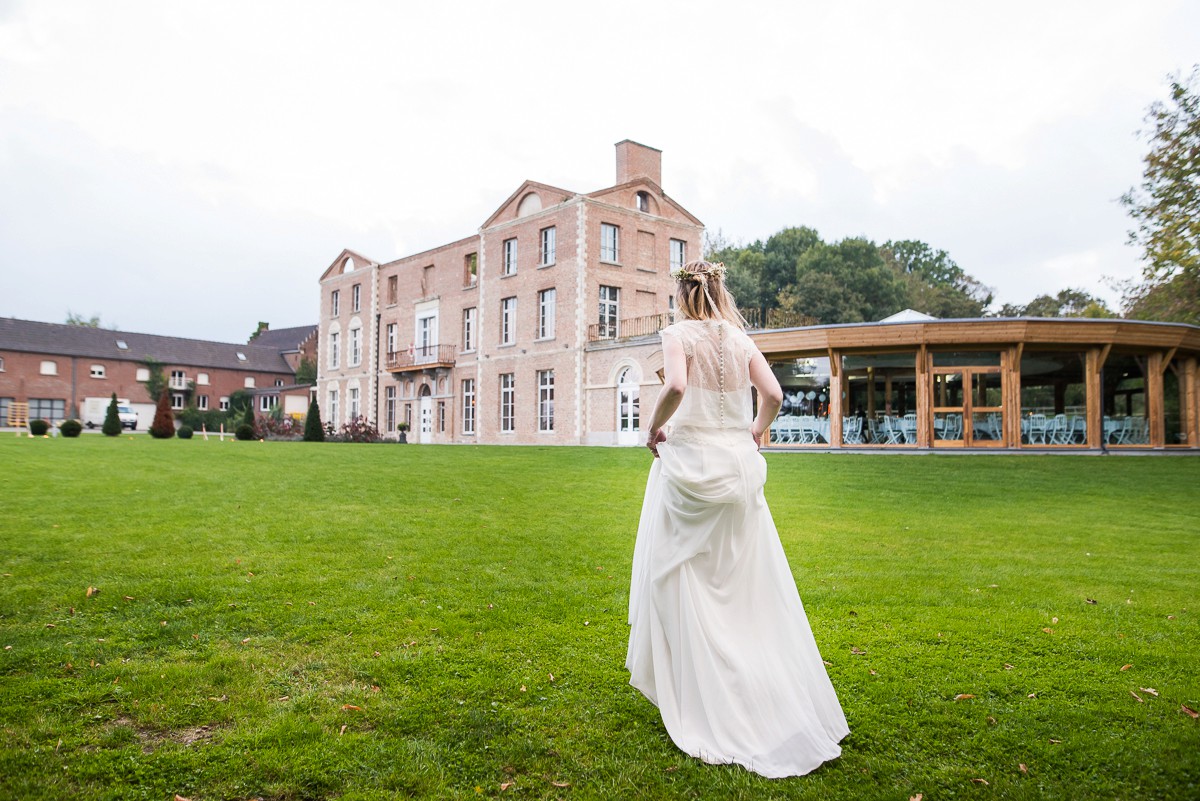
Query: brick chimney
[[638, 161]]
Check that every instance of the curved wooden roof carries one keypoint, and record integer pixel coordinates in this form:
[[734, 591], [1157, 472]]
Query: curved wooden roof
[[978, 332]]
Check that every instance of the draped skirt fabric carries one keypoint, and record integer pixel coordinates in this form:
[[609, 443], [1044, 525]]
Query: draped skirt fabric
[[719, 640]]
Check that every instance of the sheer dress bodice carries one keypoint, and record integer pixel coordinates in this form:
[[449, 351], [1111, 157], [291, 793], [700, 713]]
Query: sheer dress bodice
[[718, 375]]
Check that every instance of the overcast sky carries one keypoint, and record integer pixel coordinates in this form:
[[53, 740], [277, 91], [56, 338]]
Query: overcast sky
[[192, 168]]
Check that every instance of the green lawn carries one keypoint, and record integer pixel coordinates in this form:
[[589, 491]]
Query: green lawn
[[303, 621]]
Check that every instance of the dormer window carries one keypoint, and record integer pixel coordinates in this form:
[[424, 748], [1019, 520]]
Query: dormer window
[[643, 202], [121, 345]]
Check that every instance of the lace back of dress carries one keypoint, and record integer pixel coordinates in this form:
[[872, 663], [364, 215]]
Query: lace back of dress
[[720, 357]]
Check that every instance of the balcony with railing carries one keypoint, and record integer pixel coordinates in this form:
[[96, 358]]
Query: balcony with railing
[[628, 328], [421, 357]]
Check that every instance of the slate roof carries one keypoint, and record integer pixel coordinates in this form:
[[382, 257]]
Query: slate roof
[[102, 343], [285, 339]]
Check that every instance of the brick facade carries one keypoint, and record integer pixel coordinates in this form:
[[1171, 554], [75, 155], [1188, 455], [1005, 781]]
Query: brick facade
[[416, 364]]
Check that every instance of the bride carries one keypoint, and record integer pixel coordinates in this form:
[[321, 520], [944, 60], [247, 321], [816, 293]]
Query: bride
[[719, 640]]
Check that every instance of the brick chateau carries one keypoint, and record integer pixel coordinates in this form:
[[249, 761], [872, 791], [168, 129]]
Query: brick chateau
[[541, 327]]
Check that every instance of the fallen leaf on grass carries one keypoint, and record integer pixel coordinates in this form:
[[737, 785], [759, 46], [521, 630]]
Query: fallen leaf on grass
[[963, 696], [1053, 620], [346, 707], [827, 663], [92, 591], [1032, 695], [51, 626], [857, 651], [561, 784], [1187, 710], [916, 797], [1022, 768], [181, 798], [991, 720], [245, 641], [1090, 600], [873, 673], [1054, 742], [1007, 666], [1150, 690], [1138, 697], [1125, 667], [1048, 631], [523, 688], [1170, 617], [130, 598], [342, 730], [551, 675], [505, 785], [979, 781]]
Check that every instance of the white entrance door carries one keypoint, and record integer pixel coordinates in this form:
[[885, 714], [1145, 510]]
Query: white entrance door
[[628, 409], [426, 419]]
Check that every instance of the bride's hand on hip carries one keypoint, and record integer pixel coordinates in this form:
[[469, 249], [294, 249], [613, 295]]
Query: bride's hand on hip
[[655, 438]]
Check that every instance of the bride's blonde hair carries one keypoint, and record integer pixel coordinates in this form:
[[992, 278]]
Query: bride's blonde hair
[[701, 294]]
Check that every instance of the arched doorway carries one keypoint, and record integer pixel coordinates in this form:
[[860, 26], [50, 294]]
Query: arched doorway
[[628, 407], [425, 415]]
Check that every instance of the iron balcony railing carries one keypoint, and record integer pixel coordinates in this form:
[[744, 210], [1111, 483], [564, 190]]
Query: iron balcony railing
[[419, 357], [629, 328]]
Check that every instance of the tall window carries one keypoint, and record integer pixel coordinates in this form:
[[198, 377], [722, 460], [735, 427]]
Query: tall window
[[469, 329], [357, 297], [678, 253], [470, 269], [333, 407], [468, 401], [355, 347], [545, 326], [510, 256], [391, 338], [441, 417], [202, 403], [548, 246], [333, 350], [610, 243], [352, 396], [393, 290], [609, 308], [265, 402], [508, 391], [508, 320], [178, 380], [177, 400], [389, 397], [334, 302], [545, 379]]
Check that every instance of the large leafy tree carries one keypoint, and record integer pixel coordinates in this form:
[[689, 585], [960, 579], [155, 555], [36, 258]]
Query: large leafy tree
[[1166, 210], [936, 285], [1067, 303], [846, 282]]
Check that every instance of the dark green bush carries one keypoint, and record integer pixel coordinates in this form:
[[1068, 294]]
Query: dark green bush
[[70, 428], [38, 427], [184, 432], [245, 432], [112, 420], [313, 430]]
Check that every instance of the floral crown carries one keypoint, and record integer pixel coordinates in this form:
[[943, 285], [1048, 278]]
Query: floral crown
[[695, 268]]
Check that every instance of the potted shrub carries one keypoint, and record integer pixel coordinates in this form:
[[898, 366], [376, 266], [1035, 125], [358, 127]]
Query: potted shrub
[[402, 430]]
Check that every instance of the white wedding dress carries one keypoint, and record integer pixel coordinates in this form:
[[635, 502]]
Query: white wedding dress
[[719, 640]]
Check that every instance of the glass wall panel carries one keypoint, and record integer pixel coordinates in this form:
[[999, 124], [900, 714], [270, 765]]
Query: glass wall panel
[[1124, 382], [881, 391], [804, 417], [1054, 397], [1175, 403]]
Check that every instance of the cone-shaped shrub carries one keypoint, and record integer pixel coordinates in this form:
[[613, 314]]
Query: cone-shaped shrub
[[248, 416], [313, 430], [163, 426], [112, 422]]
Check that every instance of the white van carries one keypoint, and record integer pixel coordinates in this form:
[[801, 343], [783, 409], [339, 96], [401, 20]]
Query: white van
[[96, 409]]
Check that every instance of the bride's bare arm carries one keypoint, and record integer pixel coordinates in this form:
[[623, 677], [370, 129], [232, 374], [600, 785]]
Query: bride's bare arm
[[770, 396], [674, 385]]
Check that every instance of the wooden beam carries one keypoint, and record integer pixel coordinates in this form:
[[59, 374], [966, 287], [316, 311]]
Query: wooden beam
[[1104, 351], [1167, 358], [835, 364]]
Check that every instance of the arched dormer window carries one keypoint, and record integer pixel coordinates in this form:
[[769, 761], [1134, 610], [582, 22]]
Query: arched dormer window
[[643, 202]]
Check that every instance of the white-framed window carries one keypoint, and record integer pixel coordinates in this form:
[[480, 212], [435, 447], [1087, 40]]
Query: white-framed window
[[202, 379], [335, 302], [97, 371], [469, 329], [678, 253], [176, 400], [334, 358], [610, 243], [202, 403], [468, 402], [389, 407], [249, 382], [223, 403], [441, 412], [178, 380], [610, 307], [549, 235], [545, 380], [510, 256], [333, 407], [508, 321], [391, 338], [356, 298], [265, 402], [545, 326], [355, 347], [48, 368], [508, 393], [279, 382], [352, 402], [2, 365], [143, 374], [427, 337]]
